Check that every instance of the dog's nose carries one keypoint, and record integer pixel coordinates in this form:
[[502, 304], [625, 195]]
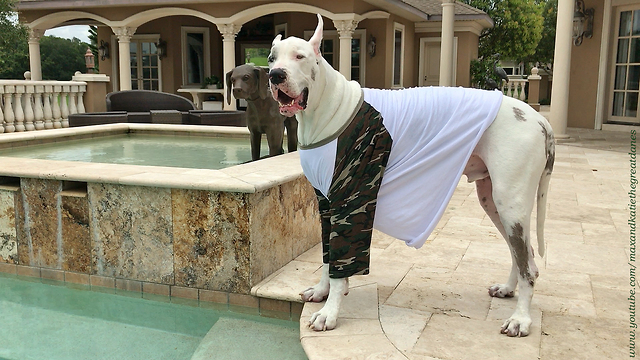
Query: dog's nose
[[277, 76]]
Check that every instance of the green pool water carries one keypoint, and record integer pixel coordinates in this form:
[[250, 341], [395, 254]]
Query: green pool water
[[196, 152], [49, 322]]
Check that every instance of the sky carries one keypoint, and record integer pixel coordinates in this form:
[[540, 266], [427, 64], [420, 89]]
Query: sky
[[69, 32]]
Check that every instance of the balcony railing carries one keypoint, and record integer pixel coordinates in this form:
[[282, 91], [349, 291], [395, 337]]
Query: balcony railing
[[27, 105]]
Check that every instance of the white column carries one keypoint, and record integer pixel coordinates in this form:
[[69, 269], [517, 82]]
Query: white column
[[345, 29], [229, 32], [561, 69], [446, 46], [35, 64], [124, 35]]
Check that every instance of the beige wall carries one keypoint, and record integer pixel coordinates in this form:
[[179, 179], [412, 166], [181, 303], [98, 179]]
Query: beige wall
[[584, 74]]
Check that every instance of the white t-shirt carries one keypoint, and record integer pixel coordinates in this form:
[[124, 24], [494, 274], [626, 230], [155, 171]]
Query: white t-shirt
[[434, 132]]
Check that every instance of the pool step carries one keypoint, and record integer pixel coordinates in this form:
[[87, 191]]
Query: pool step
[[234, 338]]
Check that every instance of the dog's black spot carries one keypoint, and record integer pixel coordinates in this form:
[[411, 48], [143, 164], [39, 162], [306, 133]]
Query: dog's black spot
[[517, 241], [484, 199], [550, 148], [313, 74], [519, 114]]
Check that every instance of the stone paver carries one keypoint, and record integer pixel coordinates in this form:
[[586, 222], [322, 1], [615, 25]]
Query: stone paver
[[432, 303]]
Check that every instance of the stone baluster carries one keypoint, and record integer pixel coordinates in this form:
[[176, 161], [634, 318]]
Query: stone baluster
[[38, 107], [18, 110], [1, 112], [57, 112], [9, 116], [523, 95], [29, 115], [81, 90], [64, 105], [48, 112]]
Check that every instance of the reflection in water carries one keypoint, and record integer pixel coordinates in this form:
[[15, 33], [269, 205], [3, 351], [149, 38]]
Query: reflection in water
[[157, 150]]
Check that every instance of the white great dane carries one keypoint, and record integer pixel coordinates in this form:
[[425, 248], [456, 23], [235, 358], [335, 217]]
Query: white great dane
[[510, 160]]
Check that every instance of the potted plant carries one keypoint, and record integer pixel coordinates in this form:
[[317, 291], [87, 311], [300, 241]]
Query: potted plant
[[212, 82]]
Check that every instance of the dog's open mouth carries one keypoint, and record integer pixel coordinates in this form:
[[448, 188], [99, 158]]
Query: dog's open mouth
[[289, 106]]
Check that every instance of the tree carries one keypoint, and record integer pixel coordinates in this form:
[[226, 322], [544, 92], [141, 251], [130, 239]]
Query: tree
[[517, 27], [61, 58], [93, 37], [546, 47], [14, 58]]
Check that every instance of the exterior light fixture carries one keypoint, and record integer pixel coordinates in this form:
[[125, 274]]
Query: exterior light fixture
[[161, 45], [103, 50], [371, 47], [582, 22]]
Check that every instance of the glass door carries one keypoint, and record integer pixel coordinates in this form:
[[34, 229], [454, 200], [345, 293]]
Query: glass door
[[145, 65], [626, 72]]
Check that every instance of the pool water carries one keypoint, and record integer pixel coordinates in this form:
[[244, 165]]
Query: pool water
[[196, 152], [41, 321]]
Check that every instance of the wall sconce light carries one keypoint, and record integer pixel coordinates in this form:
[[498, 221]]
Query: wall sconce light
[[582, 23], [371, 47], [161, 45], [103, 50]]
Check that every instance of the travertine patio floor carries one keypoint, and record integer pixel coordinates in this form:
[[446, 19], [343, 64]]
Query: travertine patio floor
[[432, 303]]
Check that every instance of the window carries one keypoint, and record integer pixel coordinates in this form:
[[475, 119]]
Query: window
[[398, 54], [626, 72], [196, 57]]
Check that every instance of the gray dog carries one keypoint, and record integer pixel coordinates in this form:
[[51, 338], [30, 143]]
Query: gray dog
[[263, 117]]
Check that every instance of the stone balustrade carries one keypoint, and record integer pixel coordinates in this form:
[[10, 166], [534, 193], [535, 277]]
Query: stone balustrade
[[515, 88], [27, 105]]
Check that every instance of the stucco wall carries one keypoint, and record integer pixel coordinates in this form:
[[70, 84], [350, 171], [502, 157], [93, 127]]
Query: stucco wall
[[584, 74]]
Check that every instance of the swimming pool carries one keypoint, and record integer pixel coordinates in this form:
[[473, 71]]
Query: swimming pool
[[182, 151], [41, 321]]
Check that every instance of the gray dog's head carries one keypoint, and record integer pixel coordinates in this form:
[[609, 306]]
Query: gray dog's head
[[294, 64], [247, 82]]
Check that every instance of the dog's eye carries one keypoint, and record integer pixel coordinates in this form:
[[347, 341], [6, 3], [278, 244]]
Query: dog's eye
[[245, 78], [270, 59], [299, 56]]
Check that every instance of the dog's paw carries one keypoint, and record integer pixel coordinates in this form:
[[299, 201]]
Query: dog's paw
[[501, 291], [516, 326], [316, 293], [323, 320]]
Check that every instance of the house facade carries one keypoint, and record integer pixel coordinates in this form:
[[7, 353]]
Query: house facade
[[173, 46], [604, 74]]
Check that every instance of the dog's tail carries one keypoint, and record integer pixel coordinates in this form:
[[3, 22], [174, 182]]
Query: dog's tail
[[543, 190]]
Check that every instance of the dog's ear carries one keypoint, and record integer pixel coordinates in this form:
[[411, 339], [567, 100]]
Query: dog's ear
[[228, 81], [263, 82], [316, 39], [277, 39]]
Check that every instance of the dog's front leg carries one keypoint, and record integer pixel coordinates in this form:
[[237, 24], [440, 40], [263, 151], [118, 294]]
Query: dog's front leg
[[327, 317], [320, 291]]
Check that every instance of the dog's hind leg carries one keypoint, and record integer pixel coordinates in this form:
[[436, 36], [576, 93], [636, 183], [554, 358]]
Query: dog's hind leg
[[484, 188]]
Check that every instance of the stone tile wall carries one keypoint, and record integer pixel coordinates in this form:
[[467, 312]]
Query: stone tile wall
[[200, 239]]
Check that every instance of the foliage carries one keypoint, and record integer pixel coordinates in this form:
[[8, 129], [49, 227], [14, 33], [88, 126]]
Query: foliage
[[481, 70], [211, 80], [61, 58], [517, 27], [14, 49], [93, 37], [546, 47]]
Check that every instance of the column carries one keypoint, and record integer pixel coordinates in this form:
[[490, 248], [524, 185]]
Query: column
[[229, 32], [35, 63], [446, 45], [124, 35], [561, 69], [345, 29]]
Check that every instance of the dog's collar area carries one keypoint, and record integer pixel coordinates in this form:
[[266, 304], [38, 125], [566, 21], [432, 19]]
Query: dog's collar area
[[337, 133]]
